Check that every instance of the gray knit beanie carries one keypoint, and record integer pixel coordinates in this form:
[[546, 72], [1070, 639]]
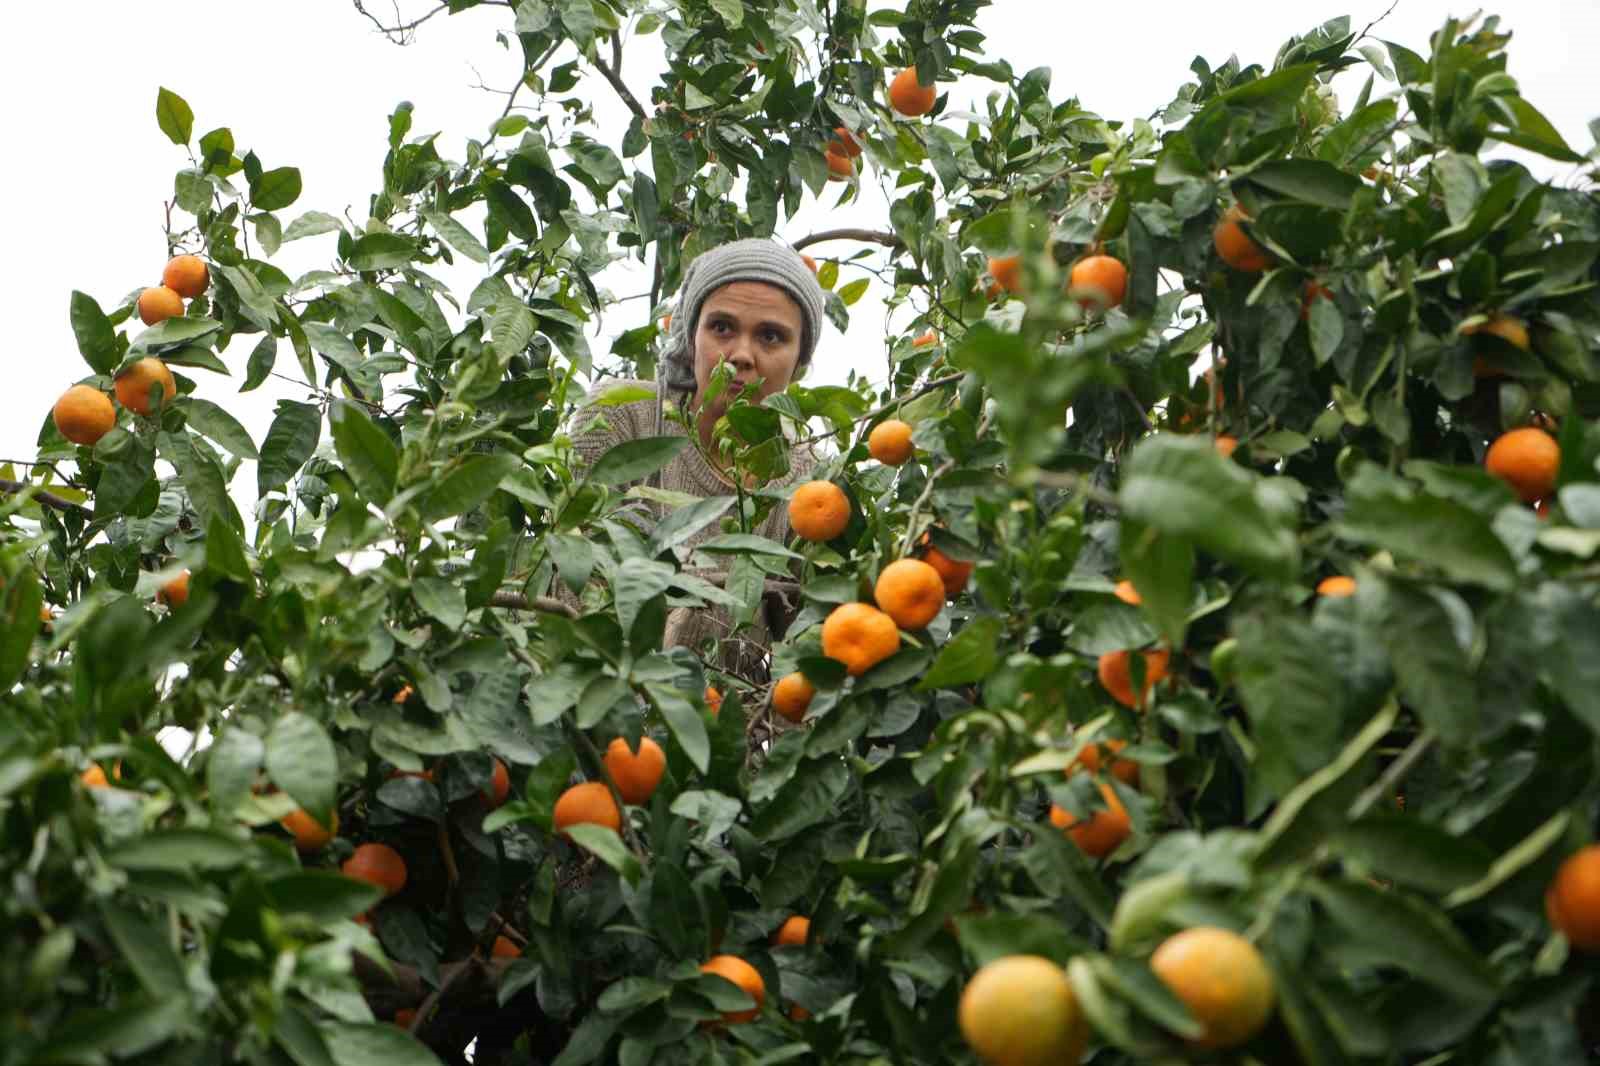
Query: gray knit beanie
[[753, 259]]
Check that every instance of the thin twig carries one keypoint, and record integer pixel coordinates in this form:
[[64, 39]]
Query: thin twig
[[472, 963], [850, 234], [898, 401], [48, 498], [614, 76], [1392, 775], [518, 601]]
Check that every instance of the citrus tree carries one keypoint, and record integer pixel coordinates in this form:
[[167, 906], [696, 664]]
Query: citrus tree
[[1189, 652]]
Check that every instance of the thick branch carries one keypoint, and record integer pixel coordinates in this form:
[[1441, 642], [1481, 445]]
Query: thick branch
[[871, 235], [519, 602], [50, 499]]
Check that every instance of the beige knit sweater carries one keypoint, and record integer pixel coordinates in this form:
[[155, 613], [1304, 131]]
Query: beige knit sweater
[[597, 430]]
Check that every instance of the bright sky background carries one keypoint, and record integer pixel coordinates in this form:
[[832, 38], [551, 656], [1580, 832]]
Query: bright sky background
[[308, 83]]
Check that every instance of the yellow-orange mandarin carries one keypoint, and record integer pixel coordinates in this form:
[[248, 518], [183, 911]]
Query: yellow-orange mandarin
[[911, 592], [84, 414], [587, 804], [819, 511], [746, 977], [792, 695], [860, 636], [909, 96], [636, 774]]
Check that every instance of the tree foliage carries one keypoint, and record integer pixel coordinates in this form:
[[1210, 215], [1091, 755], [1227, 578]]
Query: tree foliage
[[1375, 789]]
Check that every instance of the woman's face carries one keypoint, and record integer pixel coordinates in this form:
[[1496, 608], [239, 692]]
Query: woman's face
[[756, 329]]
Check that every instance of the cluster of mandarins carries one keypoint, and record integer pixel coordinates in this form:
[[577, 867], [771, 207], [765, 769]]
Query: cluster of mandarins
[[84, 414], [1527, 459], [907, 96]]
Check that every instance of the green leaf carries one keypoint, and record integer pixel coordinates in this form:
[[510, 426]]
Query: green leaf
[[578, 19], [970, 655], [202, 479], [375, 1045], [635, 459], [443, 599], [1385, 512], [807, 798], [290, 441], [1403, 848], [381, 251], [215, 422], [854, 291], [174, 332], [512, 328], [682, 524], [1291, 690], [1162, 571], [231, 765], [368, 455], [1308, 181], [1393, 929], [20, 599], [275, 189], [1427, 659], [179, 851], [146, 950], [684, 720], [311, 224], [97, 339], [1326, 326], [603, 842], [457, 236], [1182, 487], [302, 761], [732, 12], [174, 116], [324, 896], [460, 489], [225, 554], [1571, 635]]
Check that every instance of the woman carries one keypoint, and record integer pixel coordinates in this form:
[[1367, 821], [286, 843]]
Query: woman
[[755, 305]]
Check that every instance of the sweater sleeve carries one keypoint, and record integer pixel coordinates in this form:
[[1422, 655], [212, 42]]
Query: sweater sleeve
[[596, 429]]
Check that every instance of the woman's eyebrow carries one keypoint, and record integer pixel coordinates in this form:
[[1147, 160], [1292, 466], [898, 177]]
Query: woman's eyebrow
[[770, 323]]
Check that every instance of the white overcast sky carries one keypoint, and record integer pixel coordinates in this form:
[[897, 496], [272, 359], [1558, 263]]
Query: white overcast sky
[[308, 83]]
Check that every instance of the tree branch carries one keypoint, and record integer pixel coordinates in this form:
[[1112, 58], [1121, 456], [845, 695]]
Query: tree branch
[[849, 234], [519, 602], [613, 74], [48, 498]]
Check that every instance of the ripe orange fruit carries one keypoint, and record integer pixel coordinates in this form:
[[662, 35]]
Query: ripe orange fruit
[[911, 592], [844, 143], [811, 264], [84, 414], [636, 774], [1235, 247], [1527, 459], [1226, 445], [890, 442], [954, 572], [186, 275], [378, 864], [1572, 902], [798, 1013], [1508, 328], [1094, 756], [175, 593], [860, 636], [1310, 294], [1127, 593], [405, 693], [819, 511], [1336, 586], [792, 695], [1099, 281], [1006, 270], [909, 96], [499, 786], [405, 1016], [1542, 508], [1221, 978], [589, 803], [733, 968], [792, 932], [159, 303], [666, 322], [1020, 1010], [1105, 830], [925, 340], [133, 385], [309, 834], [505, 948], [1116, 676], [94, 777], [840, 168], [713, 701]]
